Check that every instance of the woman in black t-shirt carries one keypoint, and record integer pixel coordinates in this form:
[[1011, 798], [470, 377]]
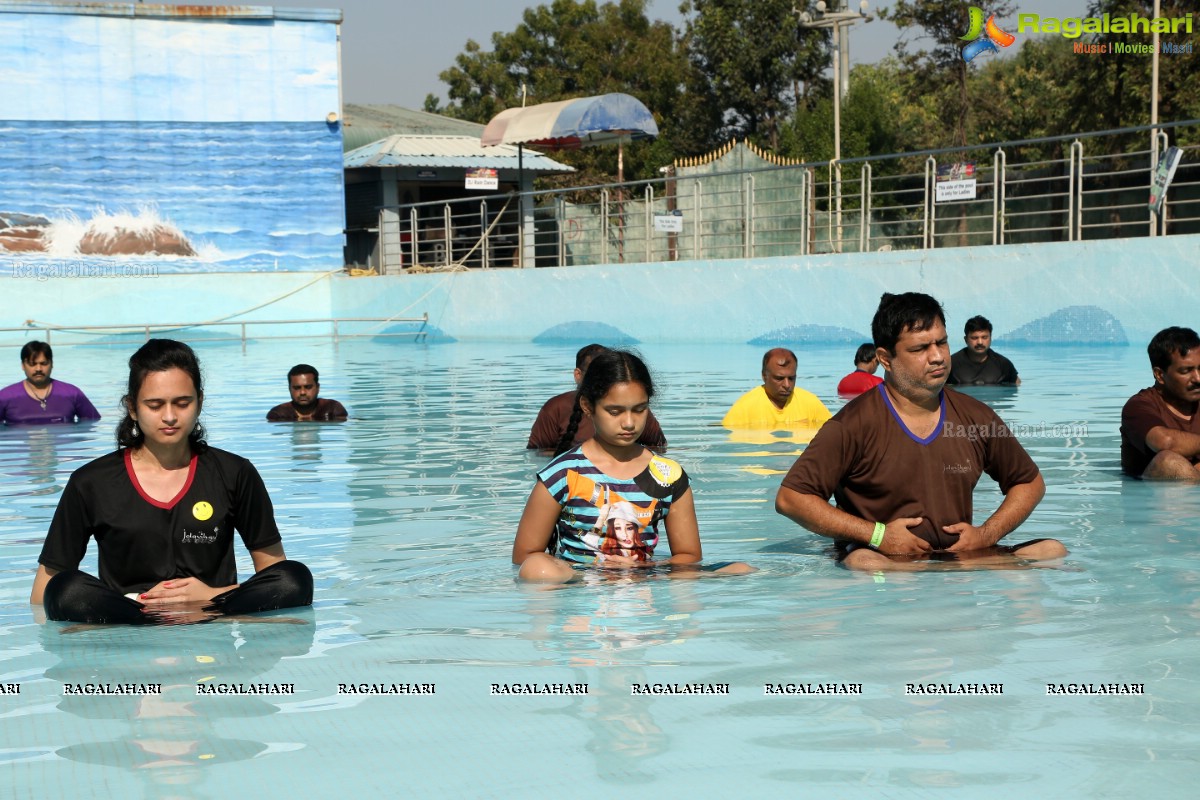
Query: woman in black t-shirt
[[163, 509]]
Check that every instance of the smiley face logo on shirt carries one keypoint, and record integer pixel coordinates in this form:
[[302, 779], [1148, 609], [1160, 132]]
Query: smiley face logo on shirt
[[202, 511]]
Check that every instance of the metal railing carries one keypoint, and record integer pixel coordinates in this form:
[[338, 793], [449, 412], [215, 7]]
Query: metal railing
[[1062, 188], [335, 328]]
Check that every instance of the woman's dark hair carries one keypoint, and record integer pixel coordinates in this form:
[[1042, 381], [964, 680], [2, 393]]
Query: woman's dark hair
[[159, 355], [606, 370]]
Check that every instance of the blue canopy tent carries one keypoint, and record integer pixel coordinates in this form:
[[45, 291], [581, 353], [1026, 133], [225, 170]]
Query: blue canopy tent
[[571, 124]]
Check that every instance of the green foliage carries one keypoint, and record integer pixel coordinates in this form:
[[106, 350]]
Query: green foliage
[[746, 69], [754, 56]]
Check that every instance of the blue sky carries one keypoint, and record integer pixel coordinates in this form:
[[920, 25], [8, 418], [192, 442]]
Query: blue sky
[[393, 53]]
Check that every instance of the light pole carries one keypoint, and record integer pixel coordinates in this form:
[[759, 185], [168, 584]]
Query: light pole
[[827, 17]]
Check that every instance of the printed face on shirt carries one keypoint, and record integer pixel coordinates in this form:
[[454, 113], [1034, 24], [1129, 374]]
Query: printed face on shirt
[[167, 407], [779, 380], [979, 342], [304, 390], [1180, 382], [37, 370], [620, 416], [921, 363], [626, 533]]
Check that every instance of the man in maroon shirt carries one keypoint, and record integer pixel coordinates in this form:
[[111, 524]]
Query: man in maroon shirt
[[555, 414], [304, 385], [1160, 429], [902, 460]]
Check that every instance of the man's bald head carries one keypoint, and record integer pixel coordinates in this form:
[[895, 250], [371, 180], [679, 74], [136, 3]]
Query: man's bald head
[[779, 375]]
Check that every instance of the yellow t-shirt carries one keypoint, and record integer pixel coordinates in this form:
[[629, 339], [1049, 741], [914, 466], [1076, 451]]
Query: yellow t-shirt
[[754, 410]]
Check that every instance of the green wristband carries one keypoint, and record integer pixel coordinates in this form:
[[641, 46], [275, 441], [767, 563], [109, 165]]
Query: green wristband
[[877, 536]]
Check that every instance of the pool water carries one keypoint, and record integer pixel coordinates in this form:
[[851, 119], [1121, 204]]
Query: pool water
[[406, 516]]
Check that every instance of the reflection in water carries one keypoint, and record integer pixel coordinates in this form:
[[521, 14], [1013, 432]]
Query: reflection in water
[[171, 738]]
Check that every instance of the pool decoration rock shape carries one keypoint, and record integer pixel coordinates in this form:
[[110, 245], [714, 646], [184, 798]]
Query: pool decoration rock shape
[[1073, 325], [120, 234], [585, 332], [810, 334]]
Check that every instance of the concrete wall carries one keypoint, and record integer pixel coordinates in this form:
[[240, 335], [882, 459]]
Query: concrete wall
[[1114, 290]]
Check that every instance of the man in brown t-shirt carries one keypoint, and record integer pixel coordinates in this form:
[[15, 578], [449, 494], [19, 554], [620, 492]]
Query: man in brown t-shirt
[[902, 460], [552, 420], [1160, 429]]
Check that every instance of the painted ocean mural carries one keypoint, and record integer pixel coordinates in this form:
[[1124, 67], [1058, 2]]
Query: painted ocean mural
[[238, 196], [195, 142]]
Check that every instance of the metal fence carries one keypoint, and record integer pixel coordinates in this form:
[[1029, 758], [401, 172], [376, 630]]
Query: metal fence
[[1064, 188], [415, 328]]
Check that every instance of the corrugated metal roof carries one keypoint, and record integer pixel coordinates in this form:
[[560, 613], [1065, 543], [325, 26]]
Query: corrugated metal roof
[[446, 151], [363, 124]]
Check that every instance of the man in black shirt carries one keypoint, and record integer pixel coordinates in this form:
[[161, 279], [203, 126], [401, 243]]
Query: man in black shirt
[[978, 363]]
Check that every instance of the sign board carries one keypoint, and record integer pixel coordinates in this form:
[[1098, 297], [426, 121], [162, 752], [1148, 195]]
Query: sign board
[[955, 182], [669, 223], [1163, 174], [426, 174], [482, 178]]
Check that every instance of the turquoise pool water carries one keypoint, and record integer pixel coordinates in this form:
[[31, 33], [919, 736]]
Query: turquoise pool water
[[406, 515]]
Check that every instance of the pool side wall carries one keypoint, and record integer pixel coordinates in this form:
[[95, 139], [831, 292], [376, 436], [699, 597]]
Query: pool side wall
[[1145, 284]]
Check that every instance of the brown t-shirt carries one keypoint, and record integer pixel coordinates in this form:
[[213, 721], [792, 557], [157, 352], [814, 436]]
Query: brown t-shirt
[[877, 470], [1143, 411], [552, 421], [326, 411]]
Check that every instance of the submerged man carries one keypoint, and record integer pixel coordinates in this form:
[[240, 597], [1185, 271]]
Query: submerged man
[[551, 422], [1160, 429], [978, 363], [902, 463], [777, 404], [866, 361], [305, 406], [40, 400]]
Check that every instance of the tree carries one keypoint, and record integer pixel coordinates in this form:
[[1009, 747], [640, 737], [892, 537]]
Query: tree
[[576, 48], [944, 23], [753, 53]]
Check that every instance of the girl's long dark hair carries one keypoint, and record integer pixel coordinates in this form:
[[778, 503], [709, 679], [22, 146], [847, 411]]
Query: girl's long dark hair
[[159, 355], [606, 370]]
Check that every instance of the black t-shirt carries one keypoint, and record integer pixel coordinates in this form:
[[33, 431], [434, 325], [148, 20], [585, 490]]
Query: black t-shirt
[[142, 541], [964, 371]]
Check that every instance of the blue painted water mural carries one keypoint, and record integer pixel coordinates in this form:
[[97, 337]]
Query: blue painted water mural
[[247, 196]]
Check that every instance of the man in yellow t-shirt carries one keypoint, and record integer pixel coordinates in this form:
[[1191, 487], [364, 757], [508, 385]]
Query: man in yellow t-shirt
[[777, 404]]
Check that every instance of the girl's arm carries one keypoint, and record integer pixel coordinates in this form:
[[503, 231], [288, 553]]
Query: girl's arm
[[194, 590], [271, 554], [537, 524], [683, 532], [43, 576]]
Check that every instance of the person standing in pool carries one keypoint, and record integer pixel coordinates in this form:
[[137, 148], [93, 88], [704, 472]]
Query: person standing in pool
[[552, 419], [866, 361], [1160, 429], [39, 399], [902, 460], [163, 509], [777, 404], [977, 363], [602, 476], [304, 385]]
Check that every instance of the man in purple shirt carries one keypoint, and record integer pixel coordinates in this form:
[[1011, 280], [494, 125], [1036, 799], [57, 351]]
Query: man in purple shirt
[[40, 400]]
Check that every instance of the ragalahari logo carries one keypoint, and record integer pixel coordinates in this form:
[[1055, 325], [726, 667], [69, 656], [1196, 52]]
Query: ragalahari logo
[[984, 37]]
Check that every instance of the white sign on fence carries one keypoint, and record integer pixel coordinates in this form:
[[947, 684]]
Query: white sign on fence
[[669, 223]]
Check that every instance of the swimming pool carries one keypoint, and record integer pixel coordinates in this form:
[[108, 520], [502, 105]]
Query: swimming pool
[[406, 515]]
